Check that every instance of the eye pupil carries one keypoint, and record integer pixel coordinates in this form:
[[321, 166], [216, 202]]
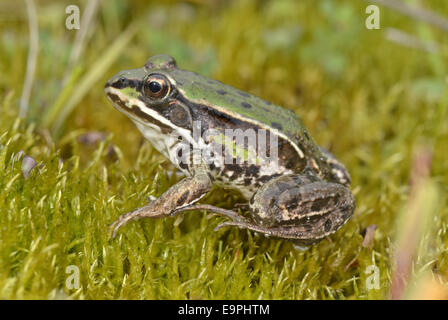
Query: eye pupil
[[154, 86]]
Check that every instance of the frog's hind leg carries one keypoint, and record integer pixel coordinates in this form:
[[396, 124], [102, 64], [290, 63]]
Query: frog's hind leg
[[303, 208], [338, 171], [302, 234]]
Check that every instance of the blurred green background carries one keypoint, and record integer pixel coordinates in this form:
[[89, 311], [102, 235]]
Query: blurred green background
[[376, 98]]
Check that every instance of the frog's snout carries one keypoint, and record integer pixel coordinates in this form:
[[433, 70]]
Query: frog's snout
[[118, 81]]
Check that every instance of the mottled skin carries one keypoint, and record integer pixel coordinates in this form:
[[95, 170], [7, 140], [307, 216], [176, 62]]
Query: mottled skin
[[304, 196]]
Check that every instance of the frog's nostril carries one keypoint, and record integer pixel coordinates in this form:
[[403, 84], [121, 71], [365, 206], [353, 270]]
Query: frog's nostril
[[118, 83], [123, 82]]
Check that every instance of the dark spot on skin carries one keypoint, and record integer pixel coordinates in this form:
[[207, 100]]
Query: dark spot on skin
[[253, 170], [213, 82], [183, 165], [179, 153], [233, 176], [277, 125], [336, 199], [327, 225], [235, 168], [282, 186], [292, 205], [246, 105], [264, 179], [183, 198], [319, 204], [347, 212], [124, 82], [212, 166], [251, 200], [247, 181], [244, 94], [221, 92], [307, 136], [226, 120], [289, 158], [265, 109]]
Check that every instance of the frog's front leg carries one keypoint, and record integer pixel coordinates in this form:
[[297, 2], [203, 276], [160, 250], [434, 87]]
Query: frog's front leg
[[184, 193], [298, 207]]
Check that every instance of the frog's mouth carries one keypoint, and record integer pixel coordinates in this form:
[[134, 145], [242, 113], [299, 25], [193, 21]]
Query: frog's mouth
[[118, 101], [137, 110]]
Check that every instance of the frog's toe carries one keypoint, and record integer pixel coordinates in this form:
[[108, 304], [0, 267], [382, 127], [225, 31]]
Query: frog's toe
[[300, 247], [151, 198], [115, 226], [122, 220], [113, 229]]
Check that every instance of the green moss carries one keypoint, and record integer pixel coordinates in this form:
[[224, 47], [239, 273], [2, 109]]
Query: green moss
[[370, 101]]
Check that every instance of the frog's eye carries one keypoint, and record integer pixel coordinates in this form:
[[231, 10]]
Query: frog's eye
[[156, 86]]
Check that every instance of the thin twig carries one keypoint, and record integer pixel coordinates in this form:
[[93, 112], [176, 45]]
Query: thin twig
[[408, 40], [96, 71], [80, 37], [32, 57], [413, 222], [421, 14]]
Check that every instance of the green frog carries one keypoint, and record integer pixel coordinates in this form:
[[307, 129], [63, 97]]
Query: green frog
[[216, 134]]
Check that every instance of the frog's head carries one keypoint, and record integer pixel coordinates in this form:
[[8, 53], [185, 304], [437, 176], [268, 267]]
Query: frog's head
[[149, 97]]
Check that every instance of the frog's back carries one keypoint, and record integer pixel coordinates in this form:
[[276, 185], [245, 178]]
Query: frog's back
[[242, 105]]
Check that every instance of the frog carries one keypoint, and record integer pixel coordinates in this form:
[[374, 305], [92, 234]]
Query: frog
[[293, 189]]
